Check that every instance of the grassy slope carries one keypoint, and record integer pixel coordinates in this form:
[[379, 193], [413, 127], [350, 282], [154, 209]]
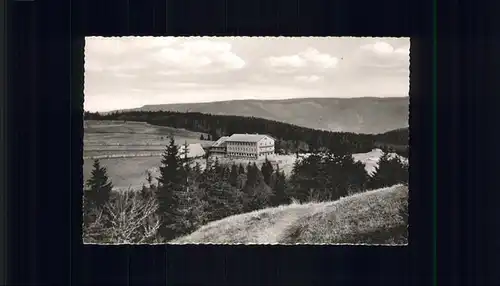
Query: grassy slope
[[113, 126], [103, 138], [371, 217]]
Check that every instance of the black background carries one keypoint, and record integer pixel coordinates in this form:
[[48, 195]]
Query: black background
[[43, 124]]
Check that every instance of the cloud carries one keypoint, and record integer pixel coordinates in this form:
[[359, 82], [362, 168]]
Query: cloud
[[160, 55], [382, 57], [385, 49], [308, 58], [200, 56], [309, 79], [110, 46]]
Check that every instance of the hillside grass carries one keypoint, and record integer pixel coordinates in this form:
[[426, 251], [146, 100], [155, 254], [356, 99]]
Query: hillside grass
[[120, 126], [372, 217]]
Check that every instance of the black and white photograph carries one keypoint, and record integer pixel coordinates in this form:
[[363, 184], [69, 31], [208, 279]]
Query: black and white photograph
[[246, 140]]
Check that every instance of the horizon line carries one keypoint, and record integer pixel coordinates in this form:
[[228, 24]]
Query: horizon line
[[251, 99]]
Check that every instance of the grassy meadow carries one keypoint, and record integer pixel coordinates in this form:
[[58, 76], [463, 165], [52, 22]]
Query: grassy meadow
[[128, 149], [372, 217]]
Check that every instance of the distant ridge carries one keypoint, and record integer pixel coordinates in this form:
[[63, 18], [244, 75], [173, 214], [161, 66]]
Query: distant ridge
[[369, 115]]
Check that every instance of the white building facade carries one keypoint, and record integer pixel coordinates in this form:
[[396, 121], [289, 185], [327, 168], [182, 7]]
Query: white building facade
[[245, 146]]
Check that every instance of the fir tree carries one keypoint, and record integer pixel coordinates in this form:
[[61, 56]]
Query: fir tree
[[390, 171], [149, 179], [95, 197], [99, 186], [256, 194], [241, 169], [327, 177], [233, 176], [248, 169], [185, 152], [148, 190], [191, 208], [267, 171], [223, 200], [170, 183], [279, 196]]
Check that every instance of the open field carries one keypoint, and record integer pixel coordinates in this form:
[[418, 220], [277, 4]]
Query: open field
[[128, 149], [373, 217], [115, 126], [104, 134], [125, 172]]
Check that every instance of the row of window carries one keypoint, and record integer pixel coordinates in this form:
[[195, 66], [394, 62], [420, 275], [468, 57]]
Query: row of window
[[243, 143], [243, 149], [243, 154], [253, 147]]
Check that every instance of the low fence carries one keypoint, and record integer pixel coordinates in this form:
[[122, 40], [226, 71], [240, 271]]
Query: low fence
[[118, 156], [124, 144]]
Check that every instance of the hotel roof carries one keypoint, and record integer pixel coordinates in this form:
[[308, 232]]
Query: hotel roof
[[247, 137]]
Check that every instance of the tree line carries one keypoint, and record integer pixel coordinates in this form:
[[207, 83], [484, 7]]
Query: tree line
[[290, 138], [186, 197]]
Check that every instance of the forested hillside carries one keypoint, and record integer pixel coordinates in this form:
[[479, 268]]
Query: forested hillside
[[290, 138], [369, 115]]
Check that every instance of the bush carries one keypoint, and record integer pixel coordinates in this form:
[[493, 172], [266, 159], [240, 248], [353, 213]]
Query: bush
[[128, 218], [327, 177], [391, 171]]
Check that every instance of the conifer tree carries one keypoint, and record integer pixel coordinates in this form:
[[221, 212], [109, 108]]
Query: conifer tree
[[233, 176], [191, 207], [327, 177], [267, 171], [279, 196], [241, 169], [185, 152], [170, 183], [223, 200], [149, 179], [196, 172], [248, 169], [257, 194], [99, 186], [148, 190], [390, 171], [95, 197]]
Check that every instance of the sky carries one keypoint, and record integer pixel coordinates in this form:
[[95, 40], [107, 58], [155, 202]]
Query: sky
[[129, 72]]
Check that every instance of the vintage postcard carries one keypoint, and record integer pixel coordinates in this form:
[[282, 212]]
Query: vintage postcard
[[246, 140]]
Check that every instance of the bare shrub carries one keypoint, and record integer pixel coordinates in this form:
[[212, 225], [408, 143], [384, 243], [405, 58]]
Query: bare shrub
[[94, 230], [132, 218]]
